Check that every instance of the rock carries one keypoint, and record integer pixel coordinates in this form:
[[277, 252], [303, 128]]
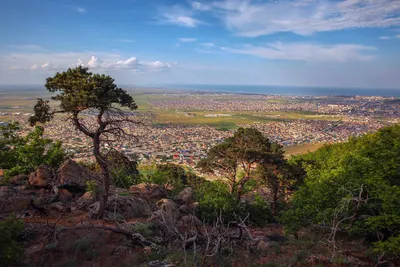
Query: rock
[[20, 179], [5, 193], [72, 176], [160, 264], [264, 246], [86, 200], [41, 178], [121, 250], [58, 206], [151, 192], [162, 201], [126, 207], [185, 209], [186, 196], [356, 261], [65, 195], [190, 220], [317, 259], [168, 211], [33, 250]]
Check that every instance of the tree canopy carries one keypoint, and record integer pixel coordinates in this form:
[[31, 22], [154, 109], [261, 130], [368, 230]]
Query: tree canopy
[[236, 157]]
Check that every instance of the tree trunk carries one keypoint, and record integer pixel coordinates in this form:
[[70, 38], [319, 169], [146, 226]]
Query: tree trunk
[[274, 200], [241, 187], [105, 175]]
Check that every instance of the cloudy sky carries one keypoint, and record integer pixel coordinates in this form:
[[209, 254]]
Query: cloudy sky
[[351, 43]]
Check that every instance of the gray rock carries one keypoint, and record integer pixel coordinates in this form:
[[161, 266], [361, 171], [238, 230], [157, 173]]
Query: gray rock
[[122, 207]]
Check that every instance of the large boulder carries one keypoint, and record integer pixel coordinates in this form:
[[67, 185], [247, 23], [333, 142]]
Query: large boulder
[[186, 196], [41, 178], [19, 179], [72, 176], [6, 192], [122, 207], [151, 192], [86, 200], [168, 212]]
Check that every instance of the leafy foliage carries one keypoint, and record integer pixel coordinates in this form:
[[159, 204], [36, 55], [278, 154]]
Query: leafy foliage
[[335, 174], [215, 200], [23, 155], [238, 155], [123, 170], [10, 249]]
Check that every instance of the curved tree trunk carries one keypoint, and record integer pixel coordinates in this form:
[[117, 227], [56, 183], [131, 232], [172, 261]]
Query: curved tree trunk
[[105, 175]]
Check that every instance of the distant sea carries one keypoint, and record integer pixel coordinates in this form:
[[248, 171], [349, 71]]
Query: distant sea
[[289, 90], [238, 89]]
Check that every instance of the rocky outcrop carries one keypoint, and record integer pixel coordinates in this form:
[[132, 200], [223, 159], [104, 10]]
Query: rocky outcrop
[[186, 196], [41, 178], [72, 176], [86, 200], [122, 207], [5, 193], [151, 192], [20, 179], [167, 212]]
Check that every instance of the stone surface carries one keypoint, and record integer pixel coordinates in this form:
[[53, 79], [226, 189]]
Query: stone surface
[[186, 196], [41, 178], [65, 195], [168, 211], [58, 206], [5, 193], [122, 207], [190, 220], [72, 176], [19, 179], [86, 200], [151, 192]]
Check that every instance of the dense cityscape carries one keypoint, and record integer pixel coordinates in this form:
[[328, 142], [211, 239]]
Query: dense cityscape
[[336, 119]]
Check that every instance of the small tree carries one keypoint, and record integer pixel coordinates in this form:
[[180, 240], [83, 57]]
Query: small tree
[[93, 104], [242, 152]]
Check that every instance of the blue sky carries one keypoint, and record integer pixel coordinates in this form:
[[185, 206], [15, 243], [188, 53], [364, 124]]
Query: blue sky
[[351, 43]]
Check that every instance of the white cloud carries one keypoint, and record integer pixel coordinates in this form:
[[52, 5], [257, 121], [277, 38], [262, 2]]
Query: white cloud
[[256, 18], [179, 16], [48, 66], [104, 61], [131, 63], [385, 37], [208, 45], [397, 36], [309, 52], [81, 10], [187, 40], [199, 6], [126, 41]]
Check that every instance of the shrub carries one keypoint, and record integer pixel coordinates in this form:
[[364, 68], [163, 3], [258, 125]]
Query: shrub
[[10, 249], [339, 180], [214, 198]]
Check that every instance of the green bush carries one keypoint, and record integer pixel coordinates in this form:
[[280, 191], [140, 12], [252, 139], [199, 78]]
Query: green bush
[[360, 180], [23, 155], [214, 198], [10, 249]]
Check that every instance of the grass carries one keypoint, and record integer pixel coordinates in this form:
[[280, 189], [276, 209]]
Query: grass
[[302, 149]]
